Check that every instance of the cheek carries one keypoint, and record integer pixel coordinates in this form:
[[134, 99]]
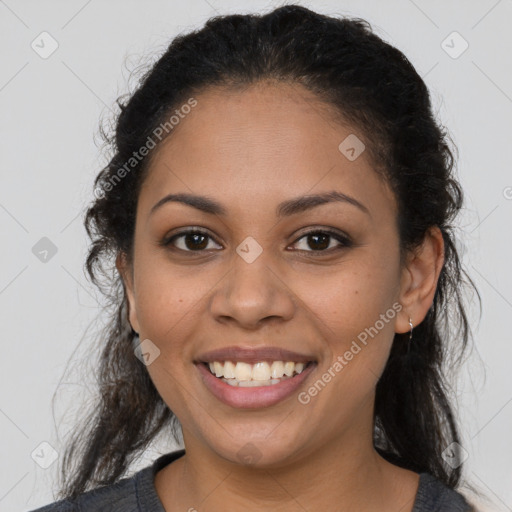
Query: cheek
[[164, 305], [353, 310], [351, 296]]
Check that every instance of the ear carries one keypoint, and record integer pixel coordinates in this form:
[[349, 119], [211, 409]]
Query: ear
[[419, 280], [126, 272]]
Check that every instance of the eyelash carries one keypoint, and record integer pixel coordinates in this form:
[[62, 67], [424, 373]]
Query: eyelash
[[344, 240]]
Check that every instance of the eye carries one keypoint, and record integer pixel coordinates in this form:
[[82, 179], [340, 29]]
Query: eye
[[191, 240], [321, 241], [197, 240]]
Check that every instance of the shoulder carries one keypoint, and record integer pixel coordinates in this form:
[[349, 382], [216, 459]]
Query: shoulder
[[434, 496], [121, 495], [131, 494]]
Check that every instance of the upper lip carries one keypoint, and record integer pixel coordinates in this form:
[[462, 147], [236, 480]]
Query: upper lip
[[253, 355]]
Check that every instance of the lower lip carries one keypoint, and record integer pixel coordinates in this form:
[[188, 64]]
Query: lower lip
[[253, 397]]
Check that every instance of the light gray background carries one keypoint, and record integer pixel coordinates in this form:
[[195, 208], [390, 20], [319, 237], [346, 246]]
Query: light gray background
[[50, 110]]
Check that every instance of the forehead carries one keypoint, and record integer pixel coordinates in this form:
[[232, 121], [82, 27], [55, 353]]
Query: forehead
[[262, 142], [255, 117]]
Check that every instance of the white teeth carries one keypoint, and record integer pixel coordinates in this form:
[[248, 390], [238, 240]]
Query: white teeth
[[277, 369], [252, 383], [229, 370], [288, 368], [218, 368], [261, 372], [243, 371]]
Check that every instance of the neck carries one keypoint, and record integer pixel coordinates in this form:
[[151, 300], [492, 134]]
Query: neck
[[350, 475]]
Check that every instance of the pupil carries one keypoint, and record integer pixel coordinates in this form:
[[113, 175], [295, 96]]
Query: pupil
[[195, 245], [323, 245]]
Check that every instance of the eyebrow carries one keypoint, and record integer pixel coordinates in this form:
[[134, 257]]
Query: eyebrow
[[284, 209]]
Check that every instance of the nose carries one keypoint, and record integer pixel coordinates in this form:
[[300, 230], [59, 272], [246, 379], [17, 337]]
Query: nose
[[251, 293]]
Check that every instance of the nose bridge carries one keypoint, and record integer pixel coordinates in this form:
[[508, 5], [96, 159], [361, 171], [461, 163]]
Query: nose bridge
[[249, 281]]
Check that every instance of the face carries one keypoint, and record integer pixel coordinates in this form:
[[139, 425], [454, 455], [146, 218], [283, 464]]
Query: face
[[312, 279]]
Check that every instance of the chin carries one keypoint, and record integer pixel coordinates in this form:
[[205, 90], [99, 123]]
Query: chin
[[257, 452]]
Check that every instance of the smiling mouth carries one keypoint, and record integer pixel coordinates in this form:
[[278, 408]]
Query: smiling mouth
[[263, 373]]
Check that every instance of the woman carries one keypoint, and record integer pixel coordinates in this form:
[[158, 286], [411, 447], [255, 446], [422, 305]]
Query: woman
[[279, 207]]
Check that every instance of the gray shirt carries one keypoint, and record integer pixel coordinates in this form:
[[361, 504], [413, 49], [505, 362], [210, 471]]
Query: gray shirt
[[138, 494]]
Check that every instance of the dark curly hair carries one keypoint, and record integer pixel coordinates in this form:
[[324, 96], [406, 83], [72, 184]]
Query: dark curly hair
[[374, 87]]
